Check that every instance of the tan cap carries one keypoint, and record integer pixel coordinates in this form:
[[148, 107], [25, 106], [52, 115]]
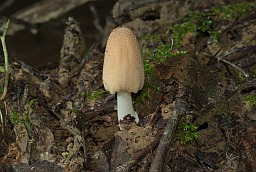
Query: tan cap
[[123, 66]]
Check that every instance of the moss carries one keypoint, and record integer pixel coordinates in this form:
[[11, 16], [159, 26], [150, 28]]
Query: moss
[[94, 95], [149, 69], [253, 73], [163, 52], [193, 22], [158, 47], [188, 133], [22, 116], [151, 38], [144, 95], [204, 22], [15, 118], [18, 118], [251, 99], [155, 53], [76, 111], [234, 11], [157, 56]]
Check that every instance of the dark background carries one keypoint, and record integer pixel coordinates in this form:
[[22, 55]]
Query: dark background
[[44, 46]]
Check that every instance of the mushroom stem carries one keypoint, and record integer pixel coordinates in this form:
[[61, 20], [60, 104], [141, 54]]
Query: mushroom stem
[[124, 106]]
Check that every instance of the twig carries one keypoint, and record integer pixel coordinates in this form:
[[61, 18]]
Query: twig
[[154, 116], [6, 4], [6, 79], [33, 71], [142, 154], [248, 84], [225, 54], [244, 86], [235, 66], [126, 167], [181, 108], [84, 60], [159, 159], [45, 10], [96, 20], [103, 109]]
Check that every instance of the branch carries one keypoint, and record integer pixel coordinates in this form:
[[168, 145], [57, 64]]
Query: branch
[[159, 159], [181, 108]]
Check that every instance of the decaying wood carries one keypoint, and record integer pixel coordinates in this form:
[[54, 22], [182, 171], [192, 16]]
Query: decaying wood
[[245, 87], [46, 10], [6, 4], [130, 162], [239, 53], [103, 109], [71, 52], [181, 108], [45, 103], [85, 60], [239, 58], [62, 121], [122, 161], [157, 164], [96, 20], [154, 117]]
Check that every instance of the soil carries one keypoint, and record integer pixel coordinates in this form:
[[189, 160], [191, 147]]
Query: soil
[[60, 118]]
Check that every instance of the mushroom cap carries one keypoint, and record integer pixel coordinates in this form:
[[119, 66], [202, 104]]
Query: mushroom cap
[[123, 67]]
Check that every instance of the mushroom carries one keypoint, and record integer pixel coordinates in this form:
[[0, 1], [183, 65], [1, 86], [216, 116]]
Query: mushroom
[[123, 70]]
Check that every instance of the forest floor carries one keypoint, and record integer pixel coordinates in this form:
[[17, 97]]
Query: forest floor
[[197, 108]]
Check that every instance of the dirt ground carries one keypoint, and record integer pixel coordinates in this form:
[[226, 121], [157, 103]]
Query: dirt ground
[[197, 108]]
